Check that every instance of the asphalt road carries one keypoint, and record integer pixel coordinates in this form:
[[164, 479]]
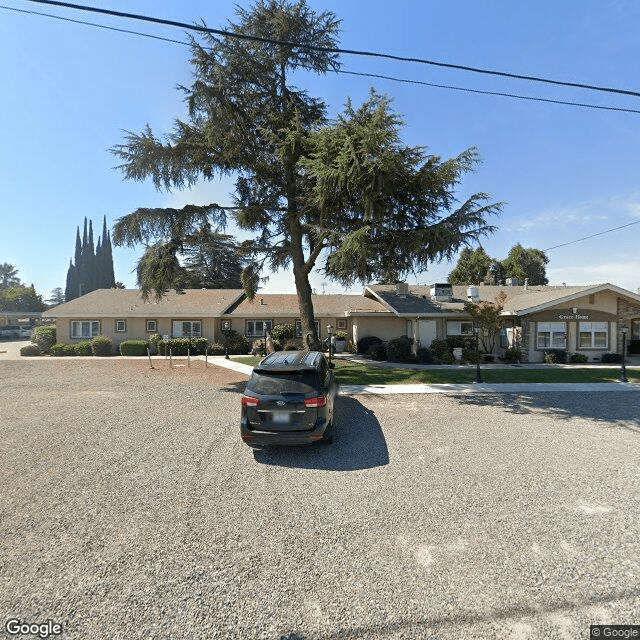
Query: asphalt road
[[130, 509]]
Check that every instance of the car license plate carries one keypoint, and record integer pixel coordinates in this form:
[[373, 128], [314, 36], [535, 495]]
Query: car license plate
[[281, 417]]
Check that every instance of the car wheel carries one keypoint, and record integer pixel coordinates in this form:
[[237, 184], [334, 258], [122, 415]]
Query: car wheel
[[327, 438]]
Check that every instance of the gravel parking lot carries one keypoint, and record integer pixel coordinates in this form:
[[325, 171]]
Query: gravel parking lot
[[130, 509]]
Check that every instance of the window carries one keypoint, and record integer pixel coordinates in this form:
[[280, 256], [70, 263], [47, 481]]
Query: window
[[457, 328], [299, 328], [410, 329], [152, 326], [187, 329], [593, 335], [635, 329], [85, 328], [121, 326], [258, 328], [341, 325], [552, 335]]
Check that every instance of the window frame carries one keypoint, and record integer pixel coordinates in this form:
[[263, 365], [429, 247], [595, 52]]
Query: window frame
[[298, 324], [155, 326], [124, 326], [92, 325], [191, 333], [459, 324], [582, 330], [254, 333], [552, 328]]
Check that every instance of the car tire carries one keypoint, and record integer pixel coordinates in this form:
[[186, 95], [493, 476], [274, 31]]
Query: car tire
[[327, 438]]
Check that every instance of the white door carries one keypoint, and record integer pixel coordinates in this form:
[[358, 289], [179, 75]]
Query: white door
[[426, 332]]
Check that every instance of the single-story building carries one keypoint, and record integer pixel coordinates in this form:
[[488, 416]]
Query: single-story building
[[585, 319], [578, 319]]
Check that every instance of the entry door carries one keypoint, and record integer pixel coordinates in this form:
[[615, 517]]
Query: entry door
[[426, 332]]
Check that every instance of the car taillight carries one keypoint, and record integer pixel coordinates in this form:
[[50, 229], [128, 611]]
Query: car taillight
[[320, 401], [248, 401]]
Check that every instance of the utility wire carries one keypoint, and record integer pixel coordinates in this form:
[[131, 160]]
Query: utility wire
[[343, 71], [230, 34], [601, 233]]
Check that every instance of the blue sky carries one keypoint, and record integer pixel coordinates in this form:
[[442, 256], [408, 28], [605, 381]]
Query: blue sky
[[70, 91]]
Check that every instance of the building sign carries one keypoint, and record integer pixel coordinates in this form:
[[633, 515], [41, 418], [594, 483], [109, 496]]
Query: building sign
[[574, 315]]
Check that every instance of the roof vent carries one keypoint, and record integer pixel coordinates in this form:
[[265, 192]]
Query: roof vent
[[402, 288], [441, 291], [472, 294]]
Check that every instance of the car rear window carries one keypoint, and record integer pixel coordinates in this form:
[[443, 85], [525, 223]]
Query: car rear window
[[278, 382]]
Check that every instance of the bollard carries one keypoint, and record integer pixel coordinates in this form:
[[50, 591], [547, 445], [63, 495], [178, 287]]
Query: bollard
[[206, 357], [170, 360], [188, 357], [149, 354]]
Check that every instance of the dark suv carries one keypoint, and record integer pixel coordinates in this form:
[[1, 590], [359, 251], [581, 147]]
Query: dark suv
[[289, 399]]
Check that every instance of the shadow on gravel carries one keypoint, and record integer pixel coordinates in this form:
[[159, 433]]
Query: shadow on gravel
[[358, 443], [612, 409]]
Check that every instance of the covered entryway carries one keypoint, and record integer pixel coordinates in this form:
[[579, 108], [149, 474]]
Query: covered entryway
[[427, 333]]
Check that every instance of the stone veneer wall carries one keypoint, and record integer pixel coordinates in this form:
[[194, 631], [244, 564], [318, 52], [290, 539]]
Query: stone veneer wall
[[627, 310]]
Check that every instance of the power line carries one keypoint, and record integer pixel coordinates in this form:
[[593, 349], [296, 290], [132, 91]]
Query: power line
[[220, 32], [601, 233], [343, 71]]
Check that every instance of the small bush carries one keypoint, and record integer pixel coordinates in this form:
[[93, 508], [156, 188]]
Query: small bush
[[182, 346], [378, 351], [215, 349], [30, 350], [424, 356], [512, 354], [102, 346], [62, 349], [399, 349], [342, 335], [364, 344], [238, 344], [612, 358], [44, 337], [441, 349], [555, 356], [578, 358], [82, 348], [134, 348], [282, 332], [294, 344]]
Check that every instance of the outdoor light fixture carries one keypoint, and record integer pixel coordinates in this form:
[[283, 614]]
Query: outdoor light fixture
[[226, 325], [623, 370], [329, 328], [476, 331]]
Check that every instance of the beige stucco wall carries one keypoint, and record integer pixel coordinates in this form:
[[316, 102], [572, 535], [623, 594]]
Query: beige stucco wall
[[385, 328]]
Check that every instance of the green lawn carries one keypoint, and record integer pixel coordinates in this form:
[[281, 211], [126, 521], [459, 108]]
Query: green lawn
[[354, 373]]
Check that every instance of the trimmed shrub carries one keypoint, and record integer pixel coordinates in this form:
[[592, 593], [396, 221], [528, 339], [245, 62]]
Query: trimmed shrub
[[364, 344], [82, 348], [238, 344], [512, 354], [180, 346], [441, 350], [215, 349], [102, 346], [555, 356], [281, 332], [399, 349], [424, 356], [62, 349], [612, 358], [134, 348], [30, 350], [294, 344], [378, 351], [578, 358], [44, 337]]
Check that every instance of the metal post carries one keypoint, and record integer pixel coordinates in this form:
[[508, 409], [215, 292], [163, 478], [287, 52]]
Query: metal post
[[329, 327], [478, 379], [188, 357], [170, 359], [623, 369], [206, 356], [149, 354]]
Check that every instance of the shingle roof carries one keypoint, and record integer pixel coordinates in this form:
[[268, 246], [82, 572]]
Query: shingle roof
[[127, 303], [519, 299], [284, 305]]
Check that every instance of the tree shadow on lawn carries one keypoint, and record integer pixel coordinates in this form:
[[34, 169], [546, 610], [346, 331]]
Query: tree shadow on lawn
[[358, 443], [611, 408]]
